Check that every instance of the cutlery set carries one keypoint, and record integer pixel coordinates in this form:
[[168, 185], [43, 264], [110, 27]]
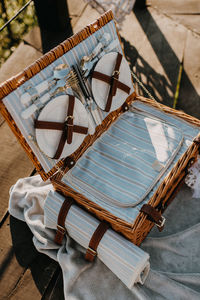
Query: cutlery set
[[93, 83], [74, 80]]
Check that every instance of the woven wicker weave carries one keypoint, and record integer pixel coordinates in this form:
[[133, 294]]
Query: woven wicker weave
[[137, 231]]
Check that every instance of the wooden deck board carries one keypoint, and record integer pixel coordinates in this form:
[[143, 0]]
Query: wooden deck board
[[14, 164], [11, 273], [24, 273], [40, 268]]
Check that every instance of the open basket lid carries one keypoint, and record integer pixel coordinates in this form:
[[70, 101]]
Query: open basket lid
[[69, 53]]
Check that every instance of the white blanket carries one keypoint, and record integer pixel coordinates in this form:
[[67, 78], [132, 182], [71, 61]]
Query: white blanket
[[174, 253], [120, 8]]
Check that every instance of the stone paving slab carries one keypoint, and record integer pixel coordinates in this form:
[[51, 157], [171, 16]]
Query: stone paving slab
[[192, 22], [33, 39], [23, 56], [189, 99], [180, 6], [185, 12], [89, 16], [76, 10], [154, 46]]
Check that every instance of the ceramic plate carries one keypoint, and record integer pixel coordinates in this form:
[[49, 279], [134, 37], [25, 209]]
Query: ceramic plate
[[56, 111], [101, 89]]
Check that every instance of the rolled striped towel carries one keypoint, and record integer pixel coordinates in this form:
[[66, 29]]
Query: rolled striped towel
[[127, 261]]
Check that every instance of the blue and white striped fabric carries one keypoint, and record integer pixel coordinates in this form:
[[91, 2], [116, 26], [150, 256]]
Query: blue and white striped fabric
[[119, 172], [123, 258], [15, 107]]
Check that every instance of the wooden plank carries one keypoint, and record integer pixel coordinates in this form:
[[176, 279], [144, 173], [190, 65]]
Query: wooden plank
[[54, 290], [41, 266], [10, 270], [24, 273], [25, 289], [154, 46], [171, 6], [14, 164], [189, 99]]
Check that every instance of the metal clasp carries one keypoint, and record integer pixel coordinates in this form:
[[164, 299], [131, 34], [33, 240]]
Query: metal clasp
[[91, 251], [69, 117], [66, 119], [61, 229], [115, 73], [161, 222]]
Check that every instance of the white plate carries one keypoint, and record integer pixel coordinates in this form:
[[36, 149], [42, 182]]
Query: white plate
[[101, 89], [56, 111]]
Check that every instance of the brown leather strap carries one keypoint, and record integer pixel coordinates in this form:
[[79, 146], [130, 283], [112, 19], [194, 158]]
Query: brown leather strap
[[153, 215], [70, 119], [59, 126], [61, 230], [67, 128], [113, 85], [95, 240], [115, 75], [49, 125], [113, 81], [107, 79]]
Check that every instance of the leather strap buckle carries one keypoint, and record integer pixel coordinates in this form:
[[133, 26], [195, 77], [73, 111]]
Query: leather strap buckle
[[115, 73], [92, 251], [61, 229], [153, 215], [161, 222], [69, 117]]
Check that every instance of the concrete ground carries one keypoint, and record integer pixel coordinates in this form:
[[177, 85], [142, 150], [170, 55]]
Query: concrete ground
[[156, 42]]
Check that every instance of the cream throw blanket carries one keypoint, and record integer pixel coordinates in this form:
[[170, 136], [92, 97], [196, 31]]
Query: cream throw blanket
[[174, 253]]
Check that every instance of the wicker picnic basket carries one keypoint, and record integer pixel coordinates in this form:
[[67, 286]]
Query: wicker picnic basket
[[135, 231]]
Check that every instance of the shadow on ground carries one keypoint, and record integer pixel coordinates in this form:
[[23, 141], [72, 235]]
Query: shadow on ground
[[155, 82]]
